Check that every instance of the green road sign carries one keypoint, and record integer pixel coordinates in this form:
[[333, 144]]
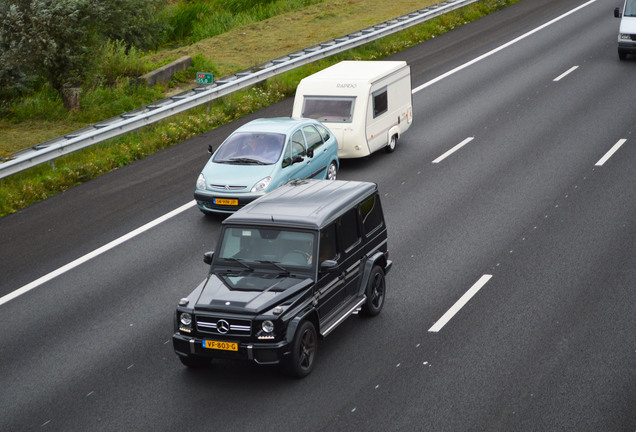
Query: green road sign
[[204, 78]]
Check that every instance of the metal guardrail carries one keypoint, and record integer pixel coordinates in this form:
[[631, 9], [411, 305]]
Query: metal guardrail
[[167, 107]]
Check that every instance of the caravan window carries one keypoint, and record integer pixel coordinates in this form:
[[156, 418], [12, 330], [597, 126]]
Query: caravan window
[[380, 102], [329, 109]]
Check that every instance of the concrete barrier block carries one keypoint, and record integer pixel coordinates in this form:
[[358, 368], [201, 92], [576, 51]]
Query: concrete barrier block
[[164, 74]]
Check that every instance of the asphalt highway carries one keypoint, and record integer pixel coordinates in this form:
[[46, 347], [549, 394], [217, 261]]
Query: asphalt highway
[[511, 305]]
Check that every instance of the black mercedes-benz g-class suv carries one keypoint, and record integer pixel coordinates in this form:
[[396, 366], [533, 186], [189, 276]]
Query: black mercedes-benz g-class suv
[[288, 267]]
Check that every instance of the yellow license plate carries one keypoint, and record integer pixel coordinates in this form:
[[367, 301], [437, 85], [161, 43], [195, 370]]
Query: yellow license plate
[[226, 346], [225, 201]]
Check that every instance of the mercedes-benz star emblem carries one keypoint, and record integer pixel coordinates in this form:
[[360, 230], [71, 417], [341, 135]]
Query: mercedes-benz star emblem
[[222, 326]]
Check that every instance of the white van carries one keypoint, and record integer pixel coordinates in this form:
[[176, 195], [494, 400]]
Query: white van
[[627, 30], [366, 104]]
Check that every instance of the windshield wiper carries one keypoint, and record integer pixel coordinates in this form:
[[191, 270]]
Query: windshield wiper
[[240, 261], [247, 161], [284, 271]]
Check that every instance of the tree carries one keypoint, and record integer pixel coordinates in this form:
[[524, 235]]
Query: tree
[[59, 40]]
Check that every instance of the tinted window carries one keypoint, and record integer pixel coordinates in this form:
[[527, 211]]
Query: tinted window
[[380, 102], [348, 229], [328, 247], [314, 139], [371, 213]]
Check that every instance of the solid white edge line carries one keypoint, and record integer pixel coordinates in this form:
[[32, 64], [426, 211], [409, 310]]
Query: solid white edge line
[[453, 150], [460, 303], [611, 152], [28, 287], [496, 50], [566, 73]]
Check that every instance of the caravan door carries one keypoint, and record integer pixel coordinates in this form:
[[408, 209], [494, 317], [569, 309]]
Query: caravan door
[[378, 120]]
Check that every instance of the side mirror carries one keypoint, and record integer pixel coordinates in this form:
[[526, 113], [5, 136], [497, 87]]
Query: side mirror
[[617, 13], [208, 257], [210, 148], [310, 153], [328, 266]]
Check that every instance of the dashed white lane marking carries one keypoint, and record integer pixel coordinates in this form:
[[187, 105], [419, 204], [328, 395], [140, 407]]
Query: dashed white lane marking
[[460, 303], [609, 154], [566, 73], [453, 150]]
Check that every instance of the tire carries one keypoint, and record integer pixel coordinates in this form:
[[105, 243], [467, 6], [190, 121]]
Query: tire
[[622, 55], [332, 171], [303, 351], [195, 362], [390, 147], [375, 292]]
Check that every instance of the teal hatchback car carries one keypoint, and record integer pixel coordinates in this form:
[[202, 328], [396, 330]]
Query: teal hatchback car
[[262, 155]]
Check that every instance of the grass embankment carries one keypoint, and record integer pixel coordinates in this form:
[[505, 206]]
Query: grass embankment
[[235, 50]]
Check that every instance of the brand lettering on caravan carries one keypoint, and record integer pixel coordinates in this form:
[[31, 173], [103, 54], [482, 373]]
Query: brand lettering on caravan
[[346, 85]]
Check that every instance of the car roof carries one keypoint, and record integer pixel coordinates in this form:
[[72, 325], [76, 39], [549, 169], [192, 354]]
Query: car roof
[[304, 203], [282, 125]]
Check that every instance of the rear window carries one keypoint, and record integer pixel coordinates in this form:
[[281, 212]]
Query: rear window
[[329, 109]]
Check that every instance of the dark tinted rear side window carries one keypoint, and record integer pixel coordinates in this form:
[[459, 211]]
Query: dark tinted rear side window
[[328, 246], [348, 229], [371, 213]]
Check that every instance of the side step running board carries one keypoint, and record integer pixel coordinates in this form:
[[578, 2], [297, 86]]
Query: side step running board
[[354, 308]]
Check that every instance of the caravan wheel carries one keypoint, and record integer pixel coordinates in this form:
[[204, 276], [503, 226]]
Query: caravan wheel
[[390, 148]]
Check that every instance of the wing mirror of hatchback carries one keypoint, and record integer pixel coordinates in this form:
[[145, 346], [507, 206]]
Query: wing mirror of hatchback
[[210, 148], [329, 266], [310, 153], [208, 257]]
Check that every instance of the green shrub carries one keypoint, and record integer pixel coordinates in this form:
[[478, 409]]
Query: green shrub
[[118, 60]]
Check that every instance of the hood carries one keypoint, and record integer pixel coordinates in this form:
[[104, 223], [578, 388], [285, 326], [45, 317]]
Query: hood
[[628, 25], [248, 292], [235, 175]]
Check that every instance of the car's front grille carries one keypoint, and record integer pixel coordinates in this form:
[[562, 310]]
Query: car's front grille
[[226, 187], [224, 326]]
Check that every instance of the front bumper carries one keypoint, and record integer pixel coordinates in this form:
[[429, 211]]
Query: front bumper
[[261, 353], [627, 47], [206, 201]]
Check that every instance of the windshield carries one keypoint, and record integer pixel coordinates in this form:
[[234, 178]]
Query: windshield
[[630, 8], [329, 109], [269, 247], [250, 147]]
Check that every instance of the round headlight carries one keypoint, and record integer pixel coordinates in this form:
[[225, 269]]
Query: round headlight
[[267, 326], [261, 185], [186, 319], [201, 182]]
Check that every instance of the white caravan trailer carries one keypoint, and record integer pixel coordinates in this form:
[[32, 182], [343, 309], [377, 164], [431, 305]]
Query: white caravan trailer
[[366, 104]]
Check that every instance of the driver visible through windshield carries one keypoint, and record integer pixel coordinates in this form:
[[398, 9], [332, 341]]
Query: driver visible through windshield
[[250, 147], [278, 248]]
